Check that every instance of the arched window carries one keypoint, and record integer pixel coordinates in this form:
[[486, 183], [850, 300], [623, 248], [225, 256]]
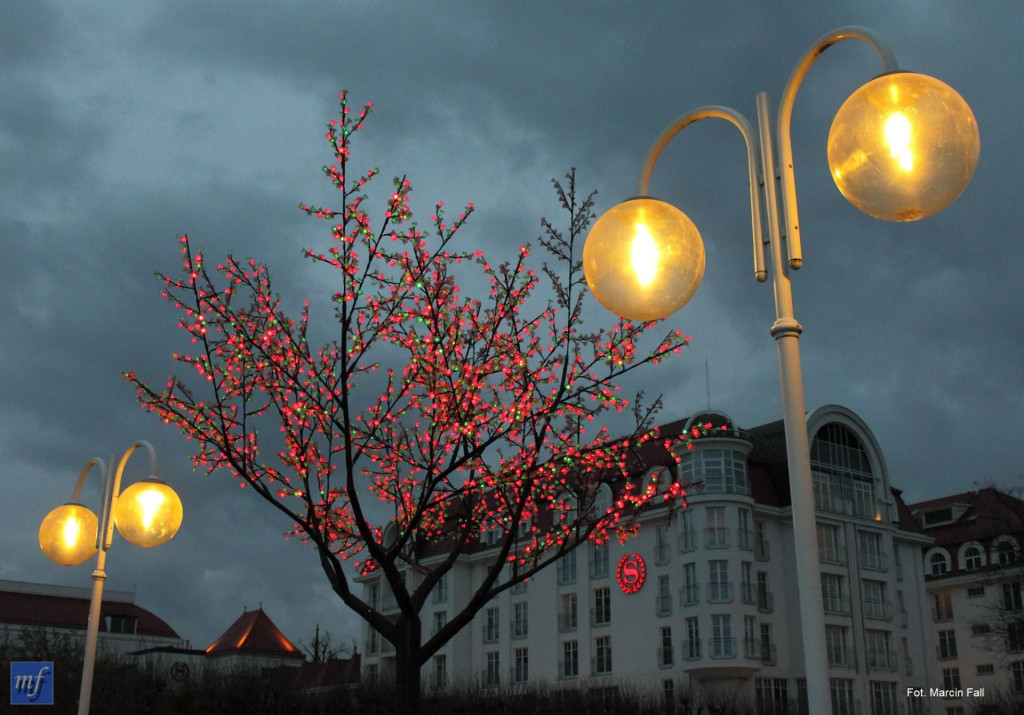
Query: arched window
[[938, 562], [1005, 550], [602, 500], [843, 481], [972, 556]]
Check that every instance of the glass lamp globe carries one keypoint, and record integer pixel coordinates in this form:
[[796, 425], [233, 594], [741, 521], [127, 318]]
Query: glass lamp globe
[[148, 513], [68, 534], [643, 259], [903, 146]]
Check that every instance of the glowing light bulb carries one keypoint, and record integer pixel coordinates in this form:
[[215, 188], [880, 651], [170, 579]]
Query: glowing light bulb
[[150, 502], [72, 529], [644, 254], [897, 136]]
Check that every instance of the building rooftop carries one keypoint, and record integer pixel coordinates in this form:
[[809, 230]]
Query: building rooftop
[[253, 632]]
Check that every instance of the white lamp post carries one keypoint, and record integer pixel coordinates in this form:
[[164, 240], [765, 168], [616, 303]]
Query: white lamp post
[[901, 148], [147, 513]]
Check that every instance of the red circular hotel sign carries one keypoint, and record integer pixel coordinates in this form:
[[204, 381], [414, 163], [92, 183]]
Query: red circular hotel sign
[[631, 573]]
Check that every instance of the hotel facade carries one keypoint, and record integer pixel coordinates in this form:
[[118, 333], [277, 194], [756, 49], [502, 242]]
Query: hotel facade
[[702, 603]]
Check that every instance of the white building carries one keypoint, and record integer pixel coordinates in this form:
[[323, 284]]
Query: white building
[[716, 610], [975, 583]]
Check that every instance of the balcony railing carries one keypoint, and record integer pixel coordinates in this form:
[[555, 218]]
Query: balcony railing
[[874, 561], [762, 550], [601, 615], [765, 601], [836, 605], [882, 660], [946, 652], [768, 653], [879, 610], [687, 540], [842, 657], [940, 615], [722, 648], [719, 591], [832, 554], [717, 537], [745, 539], [689, 594], [662, 553], [666, 657], [663, 604], [691, 649], [752, 648], [601, 665], [567, 621]]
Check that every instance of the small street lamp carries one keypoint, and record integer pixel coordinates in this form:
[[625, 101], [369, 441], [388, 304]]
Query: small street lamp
[[147, 513], [902, 147]]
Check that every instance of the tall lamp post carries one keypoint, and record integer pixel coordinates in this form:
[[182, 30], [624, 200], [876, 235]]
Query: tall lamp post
[[147, 513], [902, 147]]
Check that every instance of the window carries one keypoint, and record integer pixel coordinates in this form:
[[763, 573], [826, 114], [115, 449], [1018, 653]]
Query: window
[[602, 614], [1015, 636], [567, 612], [493, 676], [598, 560], [570, 659], [722, 645], [663, 601], [520, 619], [441, 589], [975, 591], [691, 589], [870, 549], [772, 696], [122, 624], [665, 653], [567, 568], [971, 557], [687, 537], [746, 582], [1012, 600], [836, 646], [718, 583], [373, 595], [1017, 673], [692, 638], [943, 606], [662, 548], [602, 655], [439, 677], [440, 621], [746, 533], [833, 594], [879, 655], [986, 669], [765, 599], [721, 470], [938, 562], [947, 645], [750, 643], [951, 678], [521, 665], [883, 698], [841, 690], [875, 605], [767, 646], [762, 550], [980, 629], [1006, 550], [829, 550], [602, 501], [716, 535], [491, 625]]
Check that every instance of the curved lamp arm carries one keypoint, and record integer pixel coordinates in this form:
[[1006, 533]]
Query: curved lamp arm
[[114, 489], [852, 32], [753, 168]]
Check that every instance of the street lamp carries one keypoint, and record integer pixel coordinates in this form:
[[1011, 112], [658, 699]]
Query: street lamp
[[147, 513], [901, 148]]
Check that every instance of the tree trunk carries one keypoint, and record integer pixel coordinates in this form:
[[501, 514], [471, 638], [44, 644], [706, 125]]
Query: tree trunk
[[407, 665]]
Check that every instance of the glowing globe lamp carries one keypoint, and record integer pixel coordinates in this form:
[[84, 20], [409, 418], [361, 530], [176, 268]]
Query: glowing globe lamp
[[903, 146], [643, 259], [148, 513], [68, 534]]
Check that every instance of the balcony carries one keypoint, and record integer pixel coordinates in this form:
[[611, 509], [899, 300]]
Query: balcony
[[691, 649], [722, 648], [718, 537], [762, 550], [752, 648], [748, 594], [666, 657], [882, 660], [768, 653], [878, 610], [687, 540], [719, 591], [836, 605], [745, 539], [765, 601], [567, 621], [832, 554], [662, 553], [689, 594], [663, 605], [874, 561], [842, 657]]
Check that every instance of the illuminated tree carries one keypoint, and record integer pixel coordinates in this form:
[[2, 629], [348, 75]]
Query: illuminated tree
[[487, 420]]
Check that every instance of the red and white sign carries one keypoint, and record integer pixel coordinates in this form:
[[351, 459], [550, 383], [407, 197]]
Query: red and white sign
[[631, 573]]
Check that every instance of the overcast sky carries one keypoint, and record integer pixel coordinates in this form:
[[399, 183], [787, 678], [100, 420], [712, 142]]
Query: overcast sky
[[123, 124]]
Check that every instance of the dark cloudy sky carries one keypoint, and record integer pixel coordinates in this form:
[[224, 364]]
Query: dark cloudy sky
[[123, 124]]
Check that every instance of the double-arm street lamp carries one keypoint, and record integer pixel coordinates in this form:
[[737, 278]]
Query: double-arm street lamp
[[902, 147], [147, 513]]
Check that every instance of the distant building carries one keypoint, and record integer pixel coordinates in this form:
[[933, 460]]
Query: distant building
[[973, 576], [252, 643], [124, 626], [717, 611]]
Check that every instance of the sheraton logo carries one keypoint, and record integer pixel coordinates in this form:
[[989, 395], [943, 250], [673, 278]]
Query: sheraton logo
[[631, 573]]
